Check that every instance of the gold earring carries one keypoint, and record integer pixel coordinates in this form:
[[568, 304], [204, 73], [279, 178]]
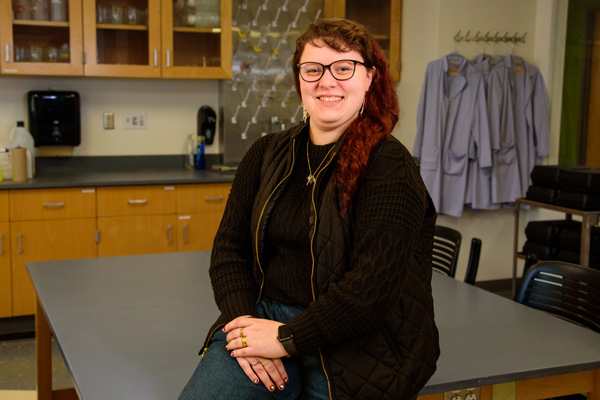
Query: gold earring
[[304, 114]]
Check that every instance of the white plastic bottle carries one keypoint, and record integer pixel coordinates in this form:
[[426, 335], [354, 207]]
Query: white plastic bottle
[[20, 137]]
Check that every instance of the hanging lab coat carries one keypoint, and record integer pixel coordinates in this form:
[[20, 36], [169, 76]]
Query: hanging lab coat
[[532, 118], [452, 127], [506, 178], [479, 184]]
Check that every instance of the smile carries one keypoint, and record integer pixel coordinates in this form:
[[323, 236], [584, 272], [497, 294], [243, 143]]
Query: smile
[[330, 98]]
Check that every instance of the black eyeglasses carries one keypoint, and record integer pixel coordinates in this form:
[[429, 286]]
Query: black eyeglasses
[[341, 70]]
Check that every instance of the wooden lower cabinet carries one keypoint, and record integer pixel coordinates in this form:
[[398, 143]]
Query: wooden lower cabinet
[[200, 209], [5, 272], [46, 240], [196, 232], [128, 235], [70, 223]]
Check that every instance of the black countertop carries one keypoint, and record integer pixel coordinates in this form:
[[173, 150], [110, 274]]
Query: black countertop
[[52, 172]]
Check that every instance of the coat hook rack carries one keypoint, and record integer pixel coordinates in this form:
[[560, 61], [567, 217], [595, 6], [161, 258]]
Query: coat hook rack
[[496, 38]]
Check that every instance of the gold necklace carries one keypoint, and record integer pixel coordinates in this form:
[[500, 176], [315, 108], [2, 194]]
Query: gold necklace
[[312, 178]]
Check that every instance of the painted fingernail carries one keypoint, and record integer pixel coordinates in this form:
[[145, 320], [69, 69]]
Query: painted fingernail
[[232, 355], [255, 381], [281, 387], [223, 329], [272, 388], [286, 380], [227, 346]]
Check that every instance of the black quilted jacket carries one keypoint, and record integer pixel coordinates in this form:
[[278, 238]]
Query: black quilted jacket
[[375, 324]]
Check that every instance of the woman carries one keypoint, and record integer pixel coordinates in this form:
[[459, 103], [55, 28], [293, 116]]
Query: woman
[[322, 264]]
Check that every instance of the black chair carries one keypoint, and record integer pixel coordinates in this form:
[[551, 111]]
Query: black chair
[[473, 264], [569, 291], [446, 247]]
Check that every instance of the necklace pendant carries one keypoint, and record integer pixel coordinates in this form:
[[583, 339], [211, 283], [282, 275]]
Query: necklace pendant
[[310, 179]]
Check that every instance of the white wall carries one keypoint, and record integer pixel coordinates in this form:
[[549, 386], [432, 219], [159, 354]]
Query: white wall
[[171, 107], [428, 29], [427, 34]]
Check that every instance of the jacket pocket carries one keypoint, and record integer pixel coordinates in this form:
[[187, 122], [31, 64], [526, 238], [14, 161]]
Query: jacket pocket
[[429, 158], [454, 164], [506, 156], [398, 357]]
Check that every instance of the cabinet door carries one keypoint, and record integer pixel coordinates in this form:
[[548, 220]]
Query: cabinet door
[[48, 240], [35, 44], [382, 17], [196, 39], [5, 273], [136, 235], [197, 232], [122, 38]]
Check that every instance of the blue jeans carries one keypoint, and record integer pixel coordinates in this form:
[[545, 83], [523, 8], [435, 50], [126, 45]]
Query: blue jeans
[[219, 376]]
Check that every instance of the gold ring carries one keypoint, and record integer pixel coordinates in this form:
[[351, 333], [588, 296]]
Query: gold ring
[[266, 362], [244, 344], [255, 363], [242, 332]]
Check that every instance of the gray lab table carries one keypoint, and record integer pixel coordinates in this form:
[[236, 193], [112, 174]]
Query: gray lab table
[[131, 327]]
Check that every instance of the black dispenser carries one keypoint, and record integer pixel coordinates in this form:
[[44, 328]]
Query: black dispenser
[[207, 123], [54, 118]]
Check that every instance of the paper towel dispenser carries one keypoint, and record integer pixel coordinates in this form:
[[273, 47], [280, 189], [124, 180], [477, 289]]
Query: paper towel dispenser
[[54, 118]]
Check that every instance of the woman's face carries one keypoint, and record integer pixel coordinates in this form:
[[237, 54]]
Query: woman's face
[[333, 104]]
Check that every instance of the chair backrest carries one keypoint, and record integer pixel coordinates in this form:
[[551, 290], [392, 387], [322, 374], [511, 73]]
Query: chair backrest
[[473, 264], [446, 245], [566, 290]]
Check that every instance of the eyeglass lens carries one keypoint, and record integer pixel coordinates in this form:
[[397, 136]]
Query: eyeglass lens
[[340, 70]]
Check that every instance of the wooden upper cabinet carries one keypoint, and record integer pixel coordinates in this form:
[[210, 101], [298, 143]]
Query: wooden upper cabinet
[[122, 38], [382, 17], [41, 46], [196, 39]]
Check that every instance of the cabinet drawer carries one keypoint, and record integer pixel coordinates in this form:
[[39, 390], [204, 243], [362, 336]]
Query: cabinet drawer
[[136, 200], [205, 197], [4, 213], [39, 204]]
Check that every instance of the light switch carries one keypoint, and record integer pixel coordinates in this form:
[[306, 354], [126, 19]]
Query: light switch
[[109, 120]]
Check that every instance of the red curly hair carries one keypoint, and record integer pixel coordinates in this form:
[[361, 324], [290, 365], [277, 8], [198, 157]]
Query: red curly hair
[[380, 113]]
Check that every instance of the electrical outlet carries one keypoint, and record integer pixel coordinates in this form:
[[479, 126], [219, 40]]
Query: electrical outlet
[[134, 120], [109, 120], [464, 394]]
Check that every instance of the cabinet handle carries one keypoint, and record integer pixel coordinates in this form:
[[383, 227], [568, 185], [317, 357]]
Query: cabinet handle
[[170, 232], [141, 201], [155, 58], [54, 204], [97, 236], [1, 244], [20, 236], [7, 53], [214, 198], [185, 231], [168, 58]]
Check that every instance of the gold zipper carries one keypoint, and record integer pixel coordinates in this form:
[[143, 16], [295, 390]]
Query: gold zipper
[[312, 257], [261, 215], [209, 338], [256, 244]]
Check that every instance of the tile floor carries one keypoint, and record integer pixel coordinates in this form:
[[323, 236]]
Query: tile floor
[[17, 369]]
